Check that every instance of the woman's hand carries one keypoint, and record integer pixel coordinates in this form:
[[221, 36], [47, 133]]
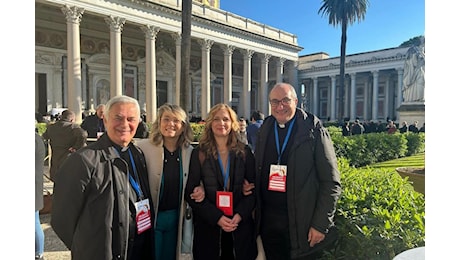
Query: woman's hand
[[247, 187], [227, 224], [198, 194]]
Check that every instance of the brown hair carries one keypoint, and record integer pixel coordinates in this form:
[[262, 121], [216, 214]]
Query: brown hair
[[208, 142]]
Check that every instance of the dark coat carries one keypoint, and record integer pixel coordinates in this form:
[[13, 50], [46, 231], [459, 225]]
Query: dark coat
[[92, 200], [252, 131], [39, 165], [63, 135], [313, 180], [207, 233], [93, 124]]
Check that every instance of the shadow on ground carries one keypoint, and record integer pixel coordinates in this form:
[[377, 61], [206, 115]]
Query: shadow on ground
[[54, 247]]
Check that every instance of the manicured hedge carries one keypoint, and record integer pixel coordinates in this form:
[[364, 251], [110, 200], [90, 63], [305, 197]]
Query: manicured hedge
[[379, 215]]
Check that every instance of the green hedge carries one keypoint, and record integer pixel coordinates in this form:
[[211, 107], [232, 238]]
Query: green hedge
[[379, 215], [365, 149]]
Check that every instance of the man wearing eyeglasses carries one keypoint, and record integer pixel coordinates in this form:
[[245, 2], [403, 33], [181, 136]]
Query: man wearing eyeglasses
[[297, 180]]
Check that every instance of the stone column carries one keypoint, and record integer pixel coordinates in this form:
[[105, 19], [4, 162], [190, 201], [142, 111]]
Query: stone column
[[263, 94], [116, 74], [247, 56], [387, 99], [399, 97], [177, 37], [205, 76], [228, 52], [151, 33], [293, 75], [73, 16], [280, 69], [333, 97], [315, 96], [375, 95], [353, 96]]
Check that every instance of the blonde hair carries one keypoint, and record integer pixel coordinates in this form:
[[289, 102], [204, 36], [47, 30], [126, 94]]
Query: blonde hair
[[208, 142], [186, 136]]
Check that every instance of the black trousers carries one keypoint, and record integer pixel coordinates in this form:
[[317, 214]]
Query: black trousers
[[274, 233]]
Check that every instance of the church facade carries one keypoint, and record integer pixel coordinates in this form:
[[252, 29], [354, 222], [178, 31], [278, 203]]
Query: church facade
[[373, 84], [88, 51]]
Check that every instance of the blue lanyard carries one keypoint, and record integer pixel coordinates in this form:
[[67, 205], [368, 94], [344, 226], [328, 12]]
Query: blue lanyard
[[226, 173], [285, 139], [134, 183]]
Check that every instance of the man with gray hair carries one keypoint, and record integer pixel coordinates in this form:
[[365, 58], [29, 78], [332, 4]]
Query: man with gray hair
[[102, 207]]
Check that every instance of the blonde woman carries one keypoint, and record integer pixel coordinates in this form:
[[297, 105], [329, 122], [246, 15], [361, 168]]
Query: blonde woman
[[167, 154], [223, 222]]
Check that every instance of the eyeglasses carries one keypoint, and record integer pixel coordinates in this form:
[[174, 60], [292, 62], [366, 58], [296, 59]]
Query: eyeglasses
[[167, 120], [285, 101]]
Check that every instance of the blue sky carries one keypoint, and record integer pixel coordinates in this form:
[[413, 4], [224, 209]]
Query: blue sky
[[387, 23]]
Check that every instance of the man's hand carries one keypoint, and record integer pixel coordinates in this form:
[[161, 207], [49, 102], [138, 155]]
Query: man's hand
[[314, 237]]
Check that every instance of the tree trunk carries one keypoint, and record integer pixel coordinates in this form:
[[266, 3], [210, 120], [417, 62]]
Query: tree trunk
[[343, 45], [185, 98]]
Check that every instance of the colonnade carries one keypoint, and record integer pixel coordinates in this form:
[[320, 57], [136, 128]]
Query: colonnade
[[74, 96]]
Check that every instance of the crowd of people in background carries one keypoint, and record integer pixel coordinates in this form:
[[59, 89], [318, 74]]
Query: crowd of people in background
[[390, 127]]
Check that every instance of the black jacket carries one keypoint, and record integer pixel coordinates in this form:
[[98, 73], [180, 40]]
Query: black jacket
[[93, 202], [206, 214], [313, 180]]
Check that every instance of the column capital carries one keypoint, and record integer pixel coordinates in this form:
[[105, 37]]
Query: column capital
[[177, 36], [150, 31], [281, 61], [333, 77], [72, 14], [247, 54], [227, 49], [115, 23], [265, 58], [205, 44]]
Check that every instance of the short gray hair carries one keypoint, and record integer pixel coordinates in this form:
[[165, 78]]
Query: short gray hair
[[121, 99]]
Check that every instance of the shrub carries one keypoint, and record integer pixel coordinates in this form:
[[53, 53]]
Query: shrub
[[415, 143], [197, 131], [361, 150], [41, 128], [379, 215]]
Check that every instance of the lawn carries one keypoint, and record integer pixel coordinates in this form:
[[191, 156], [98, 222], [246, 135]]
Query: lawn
[[416, 161]]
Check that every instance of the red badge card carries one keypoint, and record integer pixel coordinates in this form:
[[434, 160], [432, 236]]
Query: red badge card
[[143, 219], [277, 178], [224, 201]]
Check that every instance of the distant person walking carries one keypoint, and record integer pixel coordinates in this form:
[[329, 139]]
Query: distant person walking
[[65, 137], [257, 119]]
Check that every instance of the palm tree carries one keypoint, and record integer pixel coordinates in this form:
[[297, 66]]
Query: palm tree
[[185, 54], [343, 12]]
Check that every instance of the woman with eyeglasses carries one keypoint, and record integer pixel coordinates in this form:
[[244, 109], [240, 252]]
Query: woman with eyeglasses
[[167, 154]]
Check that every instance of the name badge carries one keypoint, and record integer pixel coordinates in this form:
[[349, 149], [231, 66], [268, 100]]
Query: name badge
[[143, 219], [224, 201], [277, 178]]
